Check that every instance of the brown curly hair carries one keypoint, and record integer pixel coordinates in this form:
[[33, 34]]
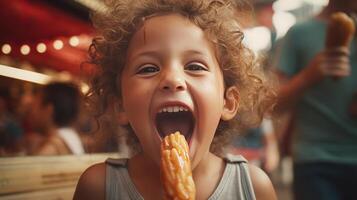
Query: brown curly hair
[[217, 18]]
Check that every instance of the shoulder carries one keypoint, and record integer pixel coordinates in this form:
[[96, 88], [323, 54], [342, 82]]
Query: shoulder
[[301, 31], [263, 188], [310, 25], [91, 184], [51, 146]]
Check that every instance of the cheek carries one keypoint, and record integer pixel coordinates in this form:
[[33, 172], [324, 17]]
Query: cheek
[[210, 103], [212, 93], [136, 100], [40, 117], [36, 112]]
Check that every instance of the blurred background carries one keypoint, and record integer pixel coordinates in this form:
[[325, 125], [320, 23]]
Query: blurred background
[[47, 41]]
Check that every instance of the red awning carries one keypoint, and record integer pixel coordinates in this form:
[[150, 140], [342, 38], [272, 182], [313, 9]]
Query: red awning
[[32, 22]]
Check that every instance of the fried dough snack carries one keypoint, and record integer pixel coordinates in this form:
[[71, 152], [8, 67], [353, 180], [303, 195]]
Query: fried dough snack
[[340, 30], [176, 174]]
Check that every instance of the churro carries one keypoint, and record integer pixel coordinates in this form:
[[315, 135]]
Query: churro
[[176, 172]]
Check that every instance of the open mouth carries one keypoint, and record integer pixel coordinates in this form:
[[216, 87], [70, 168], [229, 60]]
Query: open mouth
[[172, 119]]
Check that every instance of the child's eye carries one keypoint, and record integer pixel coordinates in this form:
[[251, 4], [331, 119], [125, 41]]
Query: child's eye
[[147, 69], [195, 66]]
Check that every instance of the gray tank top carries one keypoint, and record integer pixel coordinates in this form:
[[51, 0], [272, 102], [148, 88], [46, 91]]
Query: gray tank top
[[235, 183]]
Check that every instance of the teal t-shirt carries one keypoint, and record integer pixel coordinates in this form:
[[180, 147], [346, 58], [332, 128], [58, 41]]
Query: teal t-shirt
[[323, 130]]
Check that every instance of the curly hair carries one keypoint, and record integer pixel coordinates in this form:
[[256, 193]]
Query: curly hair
[[217, 18]]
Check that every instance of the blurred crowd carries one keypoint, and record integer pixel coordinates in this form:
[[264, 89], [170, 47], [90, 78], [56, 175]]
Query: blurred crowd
[[48, 120]]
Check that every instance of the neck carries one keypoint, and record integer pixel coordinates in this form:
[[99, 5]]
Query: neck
[[207, 175], [47, 130], [209, 163], [142, 164], [145, 174]]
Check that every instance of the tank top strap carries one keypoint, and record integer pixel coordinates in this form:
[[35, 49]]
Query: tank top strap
[[230, 158], [118, 182], [117, 162], [242, 164]]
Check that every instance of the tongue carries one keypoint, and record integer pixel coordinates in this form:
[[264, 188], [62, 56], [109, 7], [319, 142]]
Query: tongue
[[168, 123]]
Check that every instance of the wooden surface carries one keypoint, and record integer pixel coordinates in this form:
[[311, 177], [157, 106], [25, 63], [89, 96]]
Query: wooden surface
[[41, 177]]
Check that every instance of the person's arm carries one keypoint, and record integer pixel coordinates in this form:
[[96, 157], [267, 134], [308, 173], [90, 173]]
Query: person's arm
[[53, 146], [47, 150], [91, 184], [291, 91], [263, 188], [333, 63]]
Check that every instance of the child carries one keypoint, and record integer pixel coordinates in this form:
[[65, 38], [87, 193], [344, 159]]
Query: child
[[175, 65]]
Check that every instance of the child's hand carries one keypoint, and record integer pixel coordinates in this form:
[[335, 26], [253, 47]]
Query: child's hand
[[329, 63], [176, 168]]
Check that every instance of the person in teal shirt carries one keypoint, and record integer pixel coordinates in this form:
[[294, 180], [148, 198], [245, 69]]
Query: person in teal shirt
[[319, 86]]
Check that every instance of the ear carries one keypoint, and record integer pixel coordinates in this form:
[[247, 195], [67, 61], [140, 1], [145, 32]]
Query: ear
[[121, 115], [231, 103]]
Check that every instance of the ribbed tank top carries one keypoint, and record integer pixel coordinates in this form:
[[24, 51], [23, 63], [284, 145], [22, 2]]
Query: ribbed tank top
[[235, 183]]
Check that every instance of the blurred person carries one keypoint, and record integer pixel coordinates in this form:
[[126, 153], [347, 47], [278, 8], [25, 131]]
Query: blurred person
[[11, 133], [54, 111], [319, 87]]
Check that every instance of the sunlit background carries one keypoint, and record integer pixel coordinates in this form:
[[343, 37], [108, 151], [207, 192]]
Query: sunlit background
[[286, 14]]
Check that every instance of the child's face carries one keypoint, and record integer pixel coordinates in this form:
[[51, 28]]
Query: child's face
[[171, 66]]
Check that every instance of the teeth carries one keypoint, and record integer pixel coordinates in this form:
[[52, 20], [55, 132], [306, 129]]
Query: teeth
[[173, 109], [176, 109]]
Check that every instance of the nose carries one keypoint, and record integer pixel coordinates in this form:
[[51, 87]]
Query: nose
[[172, 80]]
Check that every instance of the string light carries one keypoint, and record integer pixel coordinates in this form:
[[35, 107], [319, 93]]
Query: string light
[[74, 41], [58, 44], [41, 48], [6, 48], [25, 49]]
